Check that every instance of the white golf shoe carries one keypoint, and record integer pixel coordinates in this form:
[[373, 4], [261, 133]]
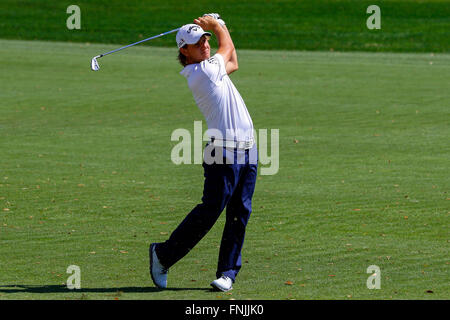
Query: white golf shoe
[[157, 271], [224, 284]]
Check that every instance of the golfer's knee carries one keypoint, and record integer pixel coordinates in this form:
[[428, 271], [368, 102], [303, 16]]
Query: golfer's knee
[[211, 208]]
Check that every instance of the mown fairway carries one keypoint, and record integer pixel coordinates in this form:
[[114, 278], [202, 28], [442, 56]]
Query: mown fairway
[[86, 176]]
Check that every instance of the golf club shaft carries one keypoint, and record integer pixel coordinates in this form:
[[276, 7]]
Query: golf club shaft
[[157, 36]]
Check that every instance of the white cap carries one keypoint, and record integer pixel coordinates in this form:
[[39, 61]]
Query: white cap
[[190, 34]]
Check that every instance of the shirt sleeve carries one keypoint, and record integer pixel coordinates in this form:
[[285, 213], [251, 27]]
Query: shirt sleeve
[[214, 68]]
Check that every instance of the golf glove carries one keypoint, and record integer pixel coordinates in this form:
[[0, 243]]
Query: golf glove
[[217, 17]]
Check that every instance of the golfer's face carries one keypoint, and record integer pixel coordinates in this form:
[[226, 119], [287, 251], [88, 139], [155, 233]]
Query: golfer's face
[[199, 51]]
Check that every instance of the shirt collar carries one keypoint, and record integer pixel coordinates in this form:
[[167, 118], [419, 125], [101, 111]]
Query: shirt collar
[[188, 70]]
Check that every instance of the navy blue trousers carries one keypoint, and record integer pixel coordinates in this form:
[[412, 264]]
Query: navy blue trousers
[[226, 185]]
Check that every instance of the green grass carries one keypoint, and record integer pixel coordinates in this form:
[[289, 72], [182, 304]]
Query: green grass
[[86, 176], [339, 25]]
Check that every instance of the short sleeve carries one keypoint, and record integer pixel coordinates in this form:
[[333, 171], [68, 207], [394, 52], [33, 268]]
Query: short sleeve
[[214, 68]]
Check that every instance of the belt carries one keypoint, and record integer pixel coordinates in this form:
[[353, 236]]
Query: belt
[[233, 144]]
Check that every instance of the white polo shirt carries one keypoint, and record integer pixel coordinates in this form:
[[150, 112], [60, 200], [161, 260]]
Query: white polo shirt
[[218, 99]]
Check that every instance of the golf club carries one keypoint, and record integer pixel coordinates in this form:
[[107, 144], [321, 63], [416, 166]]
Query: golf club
[[94, 62]]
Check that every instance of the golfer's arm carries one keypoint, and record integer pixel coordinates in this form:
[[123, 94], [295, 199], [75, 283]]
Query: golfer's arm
[[232, 64], [226, 46]]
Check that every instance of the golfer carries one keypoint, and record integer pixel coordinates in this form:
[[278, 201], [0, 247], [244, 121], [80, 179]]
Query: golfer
[[230, 157]]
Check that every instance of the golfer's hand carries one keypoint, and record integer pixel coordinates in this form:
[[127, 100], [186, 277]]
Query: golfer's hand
[[216, 16], [207, 23]]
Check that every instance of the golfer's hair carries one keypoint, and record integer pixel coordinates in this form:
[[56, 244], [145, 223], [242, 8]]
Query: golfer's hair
[[182, 58]]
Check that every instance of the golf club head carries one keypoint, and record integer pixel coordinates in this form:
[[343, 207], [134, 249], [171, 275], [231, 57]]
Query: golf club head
[[94, 64]]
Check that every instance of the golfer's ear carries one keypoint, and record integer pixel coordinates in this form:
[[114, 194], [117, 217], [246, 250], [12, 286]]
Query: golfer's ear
[[183, 51]]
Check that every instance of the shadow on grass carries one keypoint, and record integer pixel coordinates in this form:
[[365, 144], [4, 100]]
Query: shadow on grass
[[19, 288]]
